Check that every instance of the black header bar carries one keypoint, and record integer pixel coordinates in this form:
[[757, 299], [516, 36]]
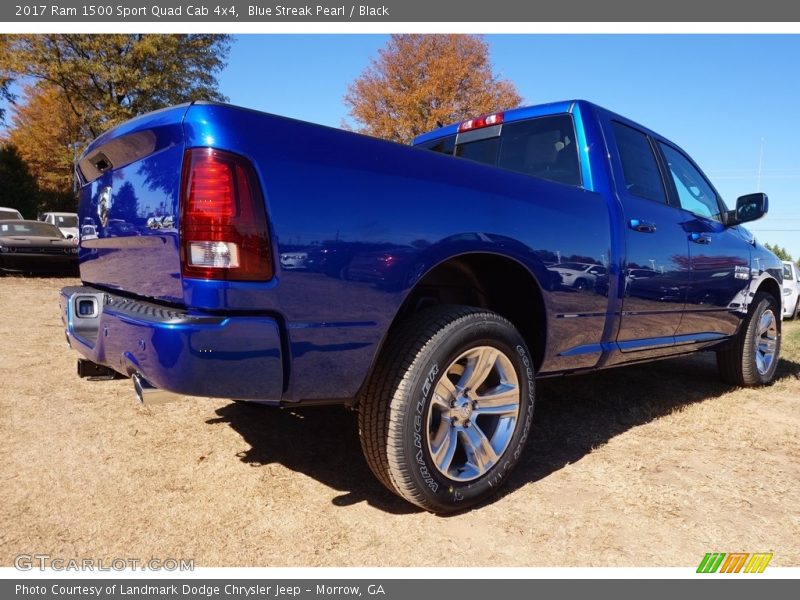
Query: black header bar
[[394, 11]]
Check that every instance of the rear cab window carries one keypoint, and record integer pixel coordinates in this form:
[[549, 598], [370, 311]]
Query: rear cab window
[[540, 147]]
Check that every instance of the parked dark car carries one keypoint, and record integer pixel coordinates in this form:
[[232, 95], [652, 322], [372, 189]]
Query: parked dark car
[[120, 228], [333, 258], [380, 266], [33, 246]]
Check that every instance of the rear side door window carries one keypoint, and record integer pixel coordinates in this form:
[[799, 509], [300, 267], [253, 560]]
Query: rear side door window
[[639, 164], [694, 192]]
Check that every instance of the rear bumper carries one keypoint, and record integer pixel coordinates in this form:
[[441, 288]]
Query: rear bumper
[[222, 356]]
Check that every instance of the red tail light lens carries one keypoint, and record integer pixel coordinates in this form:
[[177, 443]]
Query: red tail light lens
[[480, 122], [223, 224]]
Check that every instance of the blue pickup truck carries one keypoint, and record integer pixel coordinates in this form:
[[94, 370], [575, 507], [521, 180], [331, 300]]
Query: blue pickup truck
[[426, 287]]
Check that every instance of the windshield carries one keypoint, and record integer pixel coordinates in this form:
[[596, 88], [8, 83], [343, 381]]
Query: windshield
[[67, 221], [28, 228], [9, 214]]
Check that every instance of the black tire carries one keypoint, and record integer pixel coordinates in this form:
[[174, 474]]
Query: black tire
[[737, 361], [396, 409]]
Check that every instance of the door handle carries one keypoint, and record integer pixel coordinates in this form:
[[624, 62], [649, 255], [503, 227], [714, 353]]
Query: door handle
[[700, 238], [642, 226]]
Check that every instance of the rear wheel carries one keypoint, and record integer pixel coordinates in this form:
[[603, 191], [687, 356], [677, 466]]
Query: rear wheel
[[447, 411], [752, 358]]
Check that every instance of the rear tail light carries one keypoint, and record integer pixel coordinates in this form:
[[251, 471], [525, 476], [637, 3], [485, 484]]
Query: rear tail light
[[479, 122], [223, 220]]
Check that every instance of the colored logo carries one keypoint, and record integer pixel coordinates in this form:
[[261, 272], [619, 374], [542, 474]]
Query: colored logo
[[734, 562]]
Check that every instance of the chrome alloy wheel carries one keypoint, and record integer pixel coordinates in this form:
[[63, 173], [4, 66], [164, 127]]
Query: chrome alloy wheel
[[766, 342], [473, 413]]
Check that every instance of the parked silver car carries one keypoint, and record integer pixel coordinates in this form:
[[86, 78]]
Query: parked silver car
[[9, 213], [66, 222], [791, 290]]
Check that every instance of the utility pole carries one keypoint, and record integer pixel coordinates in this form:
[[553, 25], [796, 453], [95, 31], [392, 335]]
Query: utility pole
[[760, 163]]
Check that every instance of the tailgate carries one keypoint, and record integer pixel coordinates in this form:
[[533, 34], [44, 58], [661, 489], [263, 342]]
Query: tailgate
[[129, 206]]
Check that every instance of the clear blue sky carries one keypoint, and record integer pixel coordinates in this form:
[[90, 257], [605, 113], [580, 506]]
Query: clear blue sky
[[717, 96]]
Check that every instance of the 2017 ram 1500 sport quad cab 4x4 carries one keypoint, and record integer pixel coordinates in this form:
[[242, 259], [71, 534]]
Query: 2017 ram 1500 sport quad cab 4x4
[[428, 287]]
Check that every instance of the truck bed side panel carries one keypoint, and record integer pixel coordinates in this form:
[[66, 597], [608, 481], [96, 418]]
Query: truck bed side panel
[[341, 206]]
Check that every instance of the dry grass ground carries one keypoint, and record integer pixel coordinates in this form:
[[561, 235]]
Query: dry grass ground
[[650, 465]]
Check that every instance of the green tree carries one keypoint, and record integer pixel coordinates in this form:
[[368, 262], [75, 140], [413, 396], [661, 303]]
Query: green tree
[[778, 251], [107, 79], [126, 202], [5, 79], [5, 95], [419, 82], [19, 189]]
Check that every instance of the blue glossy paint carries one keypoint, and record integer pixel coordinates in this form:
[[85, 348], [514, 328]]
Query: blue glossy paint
[[236, 357], [356, 222], [137, 193]]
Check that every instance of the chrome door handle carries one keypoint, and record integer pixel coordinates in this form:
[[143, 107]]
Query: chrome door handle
[[700, 238], [642, 226]]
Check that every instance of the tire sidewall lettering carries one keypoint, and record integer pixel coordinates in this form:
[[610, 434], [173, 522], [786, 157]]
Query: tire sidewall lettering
[[452, 492], [419, 411]]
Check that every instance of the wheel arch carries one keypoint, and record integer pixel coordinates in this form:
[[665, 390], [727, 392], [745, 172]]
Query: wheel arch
[[482, 280], [771, 286]]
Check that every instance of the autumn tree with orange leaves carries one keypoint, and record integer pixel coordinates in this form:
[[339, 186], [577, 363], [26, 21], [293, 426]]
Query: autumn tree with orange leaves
[[44, 131], [419, 82]]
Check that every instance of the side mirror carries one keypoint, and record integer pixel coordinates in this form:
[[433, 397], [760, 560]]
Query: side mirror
[[748, 208]]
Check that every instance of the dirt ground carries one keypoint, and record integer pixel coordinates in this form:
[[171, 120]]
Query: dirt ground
[[653, 465]]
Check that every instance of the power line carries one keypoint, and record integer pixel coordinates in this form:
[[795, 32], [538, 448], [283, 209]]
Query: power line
[[753, 171], [741, 177]]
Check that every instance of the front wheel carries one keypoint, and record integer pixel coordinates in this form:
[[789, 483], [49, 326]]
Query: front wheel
[[448, 409], [752, 357]]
